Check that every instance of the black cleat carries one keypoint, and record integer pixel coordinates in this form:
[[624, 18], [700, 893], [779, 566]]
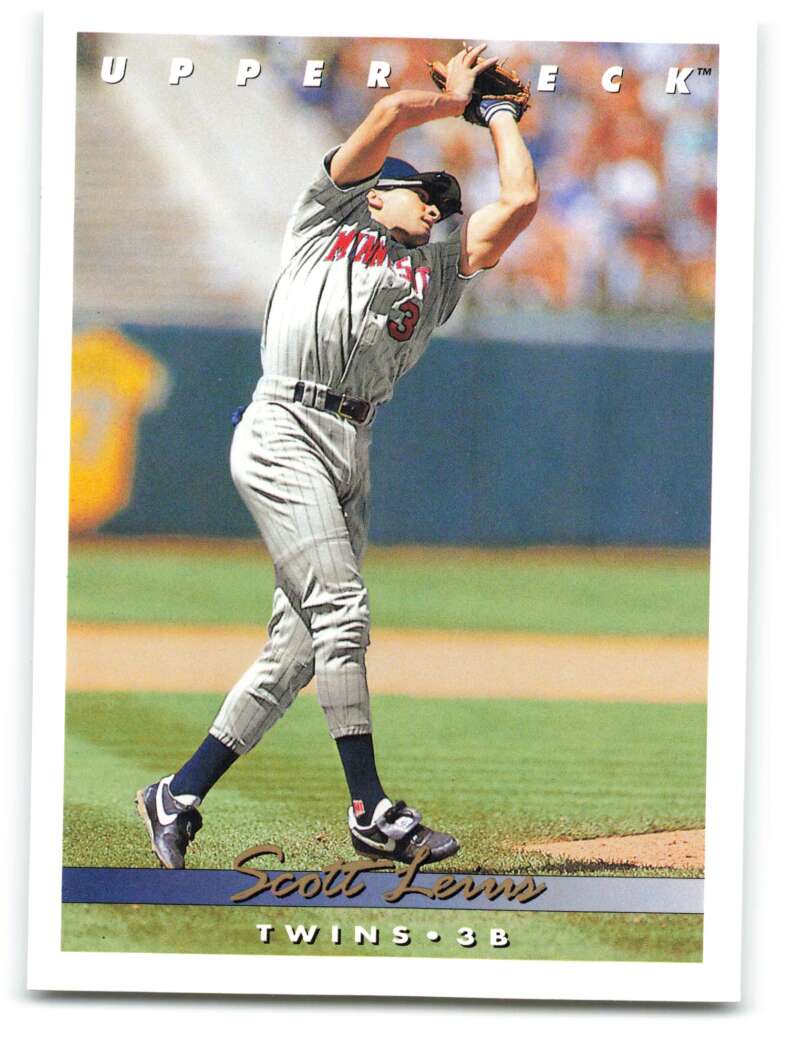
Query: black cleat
[[171, 825], [397, 833]]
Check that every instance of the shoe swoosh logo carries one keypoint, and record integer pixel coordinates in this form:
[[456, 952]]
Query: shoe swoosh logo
[[163, 817], [388, 846]]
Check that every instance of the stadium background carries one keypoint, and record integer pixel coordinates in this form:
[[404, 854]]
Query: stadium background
[[541, 481]]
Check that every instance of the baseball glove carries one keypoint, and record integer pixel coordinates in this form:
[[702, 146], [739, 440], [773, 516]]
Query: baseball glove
[[496, 89]]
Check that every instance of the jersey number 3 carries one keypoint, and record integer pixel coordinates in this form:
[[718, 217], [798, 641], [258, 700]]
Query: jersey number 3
[[401, 330]]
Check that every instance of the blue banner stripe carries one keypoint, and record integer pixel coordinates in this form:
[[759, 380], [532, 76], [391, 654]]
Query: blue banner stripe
[[596, 894]]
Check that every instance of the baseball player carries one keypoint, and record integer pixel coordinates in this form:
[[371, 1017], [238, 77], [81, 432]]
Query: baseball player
[[360, 291]]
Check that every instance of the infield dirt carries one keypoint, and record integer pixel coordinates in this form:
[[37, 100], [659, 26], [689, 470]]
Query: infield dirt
[[682, 849], [420, 663]]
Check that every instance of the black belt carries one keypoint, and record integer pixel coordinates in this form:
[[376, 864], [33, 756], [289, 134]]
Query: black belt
[[345, 406]]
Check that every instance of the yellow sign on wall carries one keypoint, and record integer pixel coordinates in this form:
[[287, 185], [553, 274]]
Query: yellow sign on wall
[[114, 381]]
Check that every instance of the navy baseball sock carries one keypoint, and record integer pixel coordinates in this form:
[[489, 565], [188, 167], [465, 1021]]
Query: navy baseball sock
[[358, 760], [203, 769]]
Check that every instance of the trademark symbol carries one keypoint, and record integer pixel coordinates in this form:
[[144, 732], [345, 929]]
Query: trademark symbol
[[703, 71]]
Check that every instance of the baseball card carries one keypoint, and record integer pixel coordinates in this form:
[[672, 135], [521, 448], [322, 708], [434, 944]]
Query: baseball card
[[392, 506]]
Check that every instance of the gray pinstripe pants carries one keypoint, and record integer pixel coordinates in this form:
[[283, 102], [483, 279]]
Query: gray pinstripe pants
[[304, 476]]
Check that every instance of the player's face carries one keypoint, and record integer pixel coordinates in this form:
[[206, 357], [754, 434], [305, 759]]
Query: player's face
[[409, 215]]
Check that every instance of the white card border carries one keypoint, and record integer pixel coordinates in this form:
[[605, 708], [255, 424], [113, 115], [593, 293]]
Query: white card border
[[717, 978]]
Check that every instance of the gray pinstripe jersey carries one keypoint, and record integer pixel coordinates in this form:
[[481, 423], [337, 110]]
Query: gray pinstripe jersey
[[353, 309]]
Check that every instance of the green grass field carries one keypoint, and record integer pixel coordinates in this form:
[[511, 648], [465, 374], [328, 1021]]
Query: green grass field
[[500, 773], [532, 936], [436, 591]]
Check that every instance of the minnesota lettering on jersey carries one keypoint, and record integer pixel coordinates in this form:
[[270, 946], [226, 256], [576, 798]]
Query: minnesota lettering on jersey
[[367, 248]]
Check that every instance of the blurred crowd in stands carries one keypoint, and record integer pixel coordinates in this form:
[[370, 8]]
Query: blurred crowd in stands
[[182, 192], [627, 215]]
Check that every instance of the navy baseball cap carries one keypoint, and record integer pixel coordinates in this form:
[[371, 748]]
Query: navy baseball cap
[[442, 188]]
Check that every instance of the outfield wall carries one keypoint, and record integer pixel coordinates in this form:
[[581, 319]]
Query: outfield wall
[[489, 443]]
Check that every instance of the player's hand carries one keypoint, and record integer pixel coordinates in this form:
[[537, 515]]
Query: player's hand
[[464, 68]]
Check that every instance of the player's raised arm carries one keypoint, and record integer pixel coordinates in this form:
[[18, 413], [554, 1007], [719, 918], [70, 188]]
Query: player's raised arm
[[491, 230], [368, 146]]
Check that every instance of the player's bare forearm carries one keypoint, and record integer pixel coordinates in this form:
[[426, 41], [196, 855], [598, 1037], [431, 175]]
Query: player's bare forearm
[[413, 108], [363, 153], [418, 107], [490, 231], [368, 146], [518, 179]]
